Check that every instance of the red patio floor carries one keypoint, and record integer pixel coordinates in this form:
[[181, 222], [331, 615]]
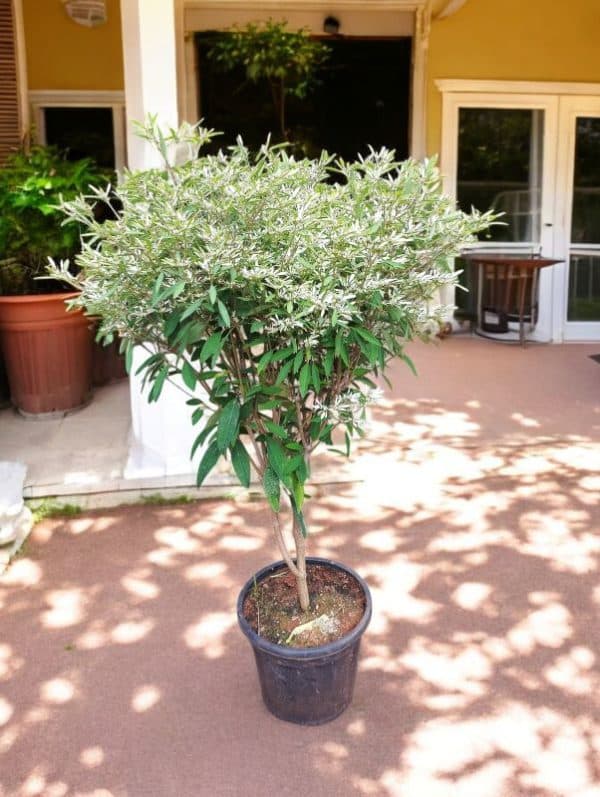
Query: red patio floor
[[476, 524]]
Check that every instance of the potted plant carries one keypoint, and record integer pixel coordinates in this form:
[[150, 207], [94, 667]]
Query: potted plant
[[47, 351], [276, 296]]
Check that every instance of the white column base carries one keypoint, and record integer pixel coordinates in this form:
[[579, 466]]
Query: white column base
[[15, 517], [163, 434]]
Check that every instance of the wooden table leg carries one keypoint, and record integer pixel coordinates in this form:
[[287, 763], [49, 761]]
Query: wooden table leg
[[481, 277], [522, 286]]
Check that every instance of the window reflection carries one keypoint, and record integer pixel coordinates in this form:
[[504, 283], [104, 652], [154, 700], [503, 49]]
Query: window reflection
[[500, 155], [584, 261]]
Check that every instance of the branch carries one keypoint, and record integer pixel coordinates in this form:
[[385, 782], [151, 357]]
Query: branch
[[282, 546]]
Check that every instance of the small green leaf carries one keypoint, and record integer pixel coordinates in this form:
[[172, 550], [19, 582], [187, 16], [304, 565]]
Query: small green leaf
[[241, 463], [150, 361], [303, 471], [227, 429], [277, 458], [264, 361], [271, 488], [212, 294], [188, 374], [211, 346], [283, 373], [294, 463], [316, 379], [197, 443], [298, 492], [282, 354], [366, 335], [298, 360], [191, 309], [158, 383], [173, 290], [171, 323], [209, 427], [271, 404], [340, 349], [325, 434], [275, 429], [208, 461], [223, 313], [298, 515], [157, 287], [409, 362], [304, 379], [129, 357]]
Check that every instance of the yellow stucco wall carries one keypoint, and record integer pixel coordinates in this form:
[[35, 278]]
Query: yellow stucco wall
[[64, 55], [548, 40], [485, 39]]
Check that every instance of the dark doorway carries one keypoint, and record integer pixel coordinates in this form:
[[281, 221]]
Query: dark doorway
[[362, 100]]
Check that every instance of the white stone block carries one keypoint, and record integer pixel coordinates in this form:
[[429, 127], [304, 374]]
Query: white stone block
[[163, 433], [15, 517]]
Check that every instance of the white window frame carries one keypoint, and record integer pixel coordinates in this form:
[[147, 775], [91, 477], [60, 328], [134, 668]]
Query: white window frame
[[115, 100]]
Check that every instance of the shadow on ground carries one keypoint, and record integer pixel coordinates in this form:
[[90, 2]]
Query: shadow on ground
[[122, 672]]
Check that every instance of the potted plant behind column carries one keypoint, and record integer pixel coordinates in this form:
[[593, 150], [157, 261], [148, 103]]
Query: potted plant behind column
[[276, 296], [288, 62], [47, 350]]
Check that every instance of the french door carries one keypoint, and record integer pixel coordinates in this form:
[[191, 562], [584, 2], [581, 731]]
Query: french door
[[577, 241], [535, 158]]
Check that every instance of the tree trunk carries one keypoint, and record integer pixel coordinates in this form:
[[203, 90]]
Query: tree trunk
[[301, 580]]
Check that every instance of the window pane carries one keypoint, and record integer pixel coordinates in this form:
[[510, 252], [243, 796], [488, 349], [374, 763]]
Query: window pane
[[500, 167], [584, 261], [586, 189], [584, 287], [83, 132]]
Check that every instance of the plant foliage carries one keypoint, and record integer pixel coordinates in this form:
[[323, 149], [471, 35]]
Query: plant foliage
[[288, 61], [32, 226], [276, 295]]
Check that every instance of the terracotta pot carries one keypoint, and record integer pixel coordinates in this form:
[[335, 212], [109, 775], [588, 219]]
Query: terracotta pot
[[47, 352], [4, 391]]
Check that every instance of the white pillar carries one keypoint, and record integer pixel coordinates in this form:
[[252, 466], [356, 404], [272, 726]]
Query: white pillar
[[150, 65], [162, 433]]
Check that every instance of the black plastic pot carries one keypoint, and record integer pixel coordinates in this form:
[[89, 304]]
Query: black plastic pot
[[308, 686]]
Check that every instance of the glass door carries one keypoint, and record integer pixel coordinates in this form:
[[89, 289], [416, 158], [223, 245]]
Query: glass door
[[579, 206], [503, 159]]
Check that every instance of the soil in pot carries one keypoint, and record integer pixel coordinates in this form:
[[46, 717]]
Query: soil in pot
[[337, 603]]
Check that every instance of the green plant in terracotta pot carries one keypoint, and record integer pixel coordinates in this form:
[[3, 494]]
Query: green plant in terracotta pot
[[47, 352], [277, 297]]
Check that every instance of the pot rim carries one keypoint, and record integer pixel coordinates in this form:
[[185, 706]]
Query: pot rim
[[319, 651], [39, 297]]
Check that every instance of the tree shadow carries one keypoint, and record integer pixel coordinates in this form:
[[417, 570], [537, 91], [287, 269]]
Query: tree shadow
[[122, 672]]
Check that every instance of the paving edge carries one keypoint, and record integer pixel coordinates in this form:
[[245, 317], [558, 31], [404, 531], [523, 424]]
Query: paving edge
[[143, 497], [108, 499]]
